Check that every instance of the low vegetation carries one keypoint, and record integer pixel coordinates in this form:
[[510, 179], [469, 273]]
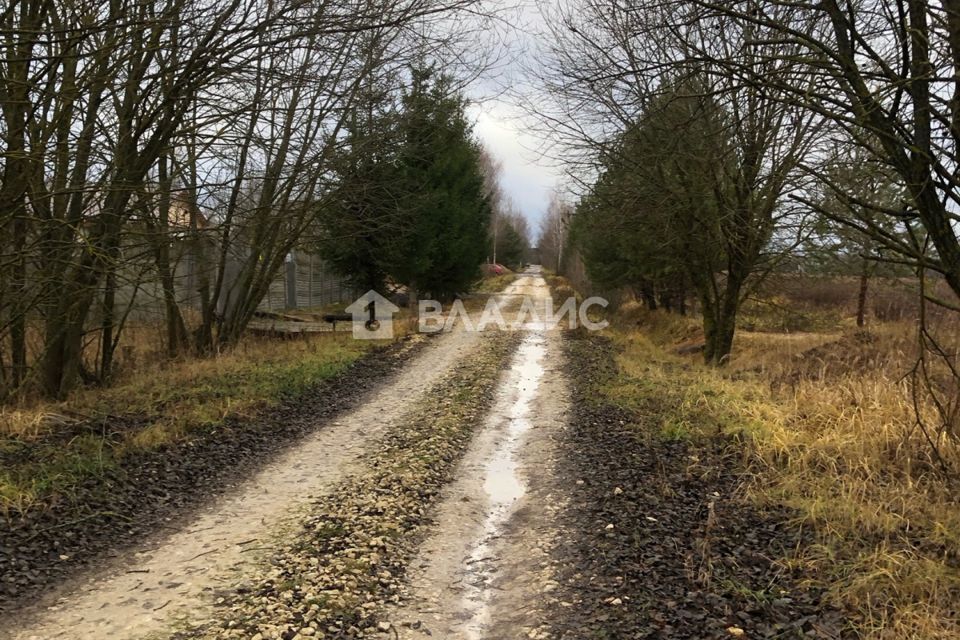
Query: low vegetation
[[831, 433], [495, 283], [50, 446]]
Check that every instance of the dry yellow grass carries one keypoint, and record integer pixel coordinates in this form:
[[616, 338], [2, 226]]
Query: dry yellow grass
[[845, 454], [495, 283], [195, 389], [166, 400], [837, 444]]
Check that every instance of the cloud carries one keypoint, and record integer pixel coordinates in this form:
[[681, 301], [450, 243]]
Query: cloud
[[526, 178]]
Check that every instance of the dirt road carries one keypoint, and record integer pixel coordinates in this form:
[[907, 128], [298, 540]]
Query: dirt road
[[485, 562], [175, 580]]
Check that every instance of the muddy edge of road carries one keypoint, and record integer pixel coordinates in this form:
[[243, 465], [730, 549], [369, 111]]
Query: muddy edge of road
[[43, 553], [657, 540]]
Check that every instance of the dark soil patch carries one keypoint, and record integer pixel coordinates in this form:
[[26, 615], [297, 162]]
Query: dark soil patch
[[148, 492], [685, 557]]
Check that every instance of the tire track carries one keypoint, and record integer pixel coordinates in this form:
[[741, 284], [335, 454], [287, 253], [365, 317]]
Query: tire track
[[176, 578]]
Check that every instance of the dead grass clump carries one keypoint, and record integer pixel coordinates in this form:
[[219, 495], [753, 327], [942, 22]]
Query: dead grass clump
[[560, 288], [495, 283], [780, 315], [668, 329], [845, 455], [852, 354]]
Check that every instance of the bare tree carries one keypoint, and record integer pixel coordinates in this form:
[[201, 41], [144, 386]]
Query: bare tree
[[492, 171], [553, 232], [114, 113], [608, 67], [883, 77]]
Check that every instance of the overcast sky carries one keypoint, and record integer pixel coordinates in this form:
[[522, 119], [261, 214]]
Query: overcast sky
[[526, 179]]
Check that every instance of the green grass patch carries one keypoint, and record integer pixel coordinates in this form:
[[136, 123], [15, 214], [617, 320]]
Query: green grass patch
[[494, 284], [671, 398]]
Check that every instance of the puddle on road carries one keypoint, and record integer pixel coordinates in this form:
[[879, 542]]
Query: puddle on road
[[501, 480]]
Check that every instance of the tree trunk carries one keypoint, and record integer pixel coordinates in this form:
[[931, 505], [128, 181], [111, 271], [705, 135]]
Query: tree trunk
[[203, 337], [709, 328], [199, 255], [666, 302], [862, 295], [61, 361], [108, 322], [176, 328], [18, 308], [413, 298], [720, 322], [160, 239], [647, 295], [65, 328], [16, 170], [724, 330]]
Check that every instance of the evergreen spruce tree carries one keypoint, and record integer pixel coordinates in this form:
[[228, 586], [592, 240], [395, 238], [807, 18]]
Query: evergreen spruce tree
[[511, 249], [445, 210], [356, 229], [411, 204]]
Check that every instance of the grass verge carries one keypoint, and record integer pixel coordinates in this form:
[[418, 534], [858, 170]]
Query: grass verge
[[48, 448], [660, 542], [495, 283], [830, 430]]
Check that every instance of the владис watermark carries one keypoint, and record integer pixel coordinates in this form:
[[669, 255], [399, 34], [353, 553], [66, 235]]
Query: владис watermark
[[372, 315]]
